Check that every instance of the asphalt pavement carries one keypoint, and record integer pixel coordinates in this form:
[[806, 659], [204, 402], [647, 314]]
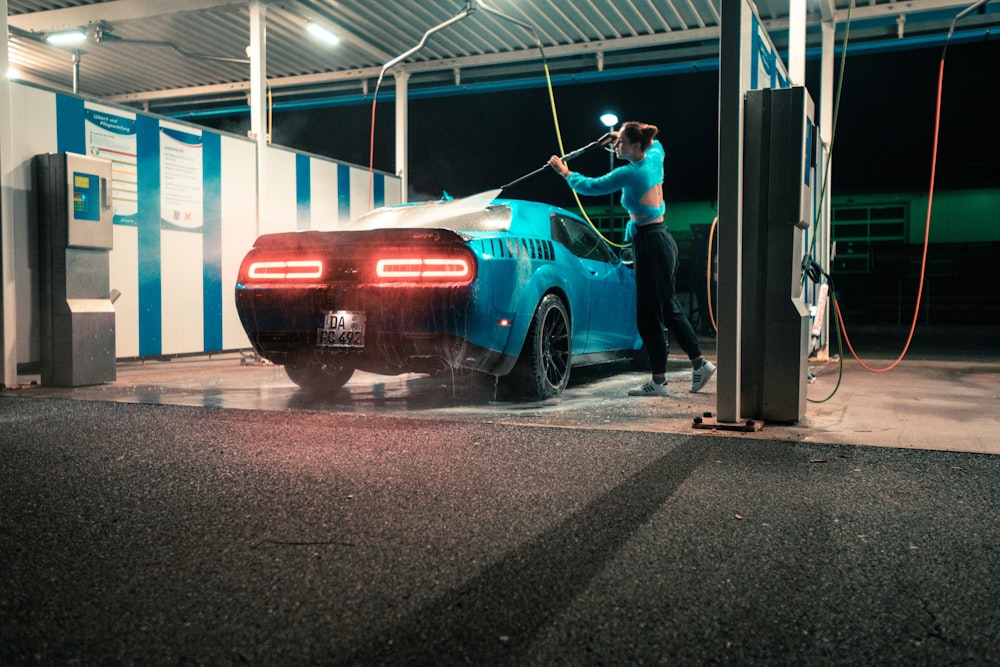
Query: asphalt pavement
[[152, 523]]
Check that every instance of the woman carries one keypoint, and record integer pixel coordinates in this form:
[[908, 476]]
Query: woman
[[654, 251]]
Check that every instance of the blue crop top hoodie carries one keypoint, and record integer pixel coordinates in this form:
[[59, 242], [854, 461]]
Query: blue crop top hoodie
[[634, 180]]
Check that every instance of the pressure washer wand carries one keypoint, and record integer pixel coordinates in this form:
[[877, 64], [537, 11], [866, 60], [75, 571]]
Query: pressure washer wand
[[604, 141]]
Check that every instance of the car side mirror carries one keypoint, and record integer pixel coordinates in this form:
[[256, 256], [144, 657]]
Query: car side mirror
[[627, 255]]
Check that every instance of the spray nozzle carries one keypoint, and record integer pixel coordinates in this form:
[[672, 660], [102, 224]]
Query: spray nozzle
[[607, 142]]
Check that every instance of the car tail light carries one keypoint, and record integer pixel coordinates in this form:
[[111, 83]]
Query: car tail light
[[286, 270], [453, 270]]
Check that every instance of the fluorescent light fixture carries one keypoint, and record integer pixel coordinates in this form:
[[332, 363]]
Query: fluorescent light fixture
[[321, 33], [609, 120], [13, 74], [67, 37]]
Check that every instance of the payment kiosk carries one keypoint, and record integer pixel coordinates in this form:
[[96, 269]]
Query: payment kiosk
[[75, 237]]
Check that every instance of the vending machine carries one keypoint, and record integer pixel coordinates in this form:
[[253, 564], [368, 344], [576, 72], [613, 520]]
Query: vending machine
[[75, 223]]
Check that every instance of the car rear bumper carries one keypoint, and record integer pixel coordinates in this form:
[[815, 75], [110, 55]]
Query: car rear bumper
[[407, 330]]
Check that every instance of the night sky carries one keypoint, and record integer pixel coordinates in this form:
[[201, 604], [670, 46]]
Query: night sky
[[468, 143]]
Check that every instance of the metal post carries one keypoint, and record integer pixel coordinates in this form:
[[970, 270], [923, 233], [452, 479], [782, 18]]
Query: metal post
[[611, 196], [76, 72], [823, 236], [258, 104], [8, 315], [734, 67], [402, 132], [609, 120], [797, 42]]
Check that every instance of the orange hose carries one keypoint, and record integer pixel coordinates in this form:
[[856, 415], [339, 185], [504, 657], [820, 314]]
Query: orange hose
[[708, 274], [927, 234]]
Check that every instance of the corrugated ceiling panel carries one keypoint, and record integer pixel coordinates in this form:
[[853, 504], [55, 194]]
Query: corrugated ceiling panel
[[144, 52]]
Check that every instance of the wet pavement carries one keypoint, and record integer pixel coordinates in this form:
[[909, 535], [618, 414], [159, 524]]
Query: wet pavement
[[944, 395]]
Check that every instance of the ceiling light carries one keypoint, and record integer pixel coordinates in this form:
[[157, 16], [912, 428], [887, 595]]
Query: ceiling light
[[322, 33], [66, 38]]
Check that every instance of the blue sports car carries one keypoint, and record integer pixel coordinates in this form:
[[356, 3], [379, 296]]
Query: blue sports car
[[519, 290]]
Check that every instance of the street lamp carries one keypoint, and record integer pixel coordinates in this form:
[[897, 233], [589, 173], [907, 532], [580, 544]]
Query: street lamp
[[609, 120]]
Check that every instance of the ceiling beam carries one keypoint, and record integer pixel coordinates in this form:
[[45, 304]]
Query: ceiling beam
[[827, 10], [508, 57], [896, 8], [52, 20]]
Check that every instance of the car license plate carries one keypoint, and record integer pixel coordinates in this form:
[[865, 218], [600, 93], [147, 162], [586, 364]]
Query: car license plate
[[342, 328]]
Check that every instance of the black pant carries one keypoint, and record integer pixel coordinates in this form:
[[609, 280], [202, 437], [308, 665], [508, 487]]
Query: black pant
[[655, 262]]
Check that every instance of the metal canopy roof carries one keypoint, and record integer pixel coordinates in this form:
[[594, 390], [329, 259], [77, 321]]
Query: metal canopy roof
[[183, 55]]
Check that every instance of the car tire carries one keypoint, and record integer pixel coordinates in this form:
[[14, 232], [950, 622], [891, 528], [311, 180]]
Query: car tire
[[319, 376], [542, 369]]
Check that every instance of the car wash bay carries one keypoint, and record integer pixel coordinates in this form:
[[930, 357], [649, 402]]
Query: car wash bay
[[203, 509]]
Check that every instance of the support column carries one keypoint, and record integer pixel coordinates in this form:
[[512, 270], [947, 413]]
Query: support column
[[797, 42], [8, 302], [258, 101], [826, 91], [402, 132], [826, 130], [734, 70]]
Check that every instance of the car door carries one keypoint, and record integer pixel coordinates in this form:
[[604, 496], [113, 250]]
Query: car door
[[609, 320]]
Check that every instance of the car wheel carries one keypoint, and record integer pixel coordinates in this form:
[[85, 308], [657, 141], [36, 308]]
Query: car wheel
[[319, 376], [542, 370]]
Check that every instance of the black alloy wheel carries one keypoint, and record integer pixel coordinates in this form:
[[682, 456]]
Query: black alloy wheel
[[542, 370]]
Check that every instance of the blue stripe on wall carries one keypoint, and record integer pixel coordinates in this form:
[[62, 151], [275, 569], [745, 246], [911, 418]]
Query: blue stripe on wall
[[343, 192], [379, 187], [150, 276], [212, 239], [70, 136], [303, 192]]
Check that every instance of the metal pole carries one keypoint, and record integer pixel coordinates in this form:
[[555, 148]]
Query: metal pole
[[258, 104], [734, 78], [402, 134], [8, 291], [609, 120], [611, 196]]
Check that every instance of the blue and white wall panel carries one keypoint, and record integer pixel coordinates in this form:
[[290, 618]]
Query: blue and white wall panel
[[321, 192], [238, 210], [185, 215], [280, 210]]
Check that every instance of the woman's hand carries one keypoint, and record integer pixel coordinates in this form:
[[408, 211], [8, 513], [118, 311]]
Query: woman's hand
[[556, 163]]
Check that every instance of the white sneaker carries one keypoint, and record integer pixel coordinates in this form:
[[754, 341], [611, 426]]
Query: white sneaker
[[649, 388], [700, 377]]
